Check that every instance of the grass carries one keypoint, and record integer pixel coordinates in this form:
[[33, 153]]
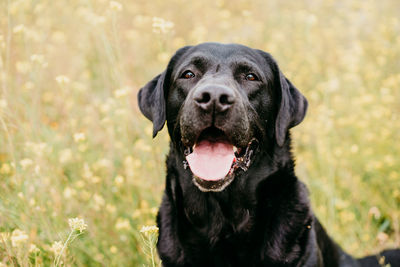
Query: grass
[[74, 144]]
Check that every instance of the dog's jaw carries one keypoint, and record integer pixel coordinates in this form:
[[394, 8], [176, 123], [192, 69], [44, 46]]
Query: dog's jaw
[[242, 162]]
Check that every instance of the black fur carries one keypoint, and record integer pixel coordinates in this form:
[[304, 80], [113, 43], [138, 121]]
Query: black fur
[[263, 218]]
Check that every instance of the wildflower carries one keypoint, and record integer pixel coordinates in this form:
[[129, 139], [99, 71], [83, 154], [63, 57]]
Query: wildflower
[[98, 199], [37, 58], [78, 137], [65, 155], [162, 26], [33, 249], [25, 163], [4, 236], [374, 211], [149, 230], [103, 163], [113, 249], [77, 224], [28, 85], [58, 37], [122, 92], [19, 28], [57, 247], [149, 238], [23, 66], [119, 180], [382, 237], [116, 6], [37, 148], [111, 208], [3, 103], [5, 168], [18, 237], [61, 79], [354, 148], [69, 192], [122, 224]]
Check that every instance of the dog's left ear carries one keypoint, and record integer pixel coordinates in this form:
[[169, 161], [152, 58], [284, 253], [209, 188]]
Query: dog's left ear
[[292, 107], [152, 97]]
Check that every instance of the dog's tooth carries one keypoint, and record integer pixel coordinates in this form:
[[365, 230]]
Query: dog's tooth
[[235, 149], [187, 151]]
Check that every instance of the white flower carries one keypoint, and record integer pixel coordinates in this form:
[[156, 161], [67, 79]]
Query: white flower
[[161, 25], [114, 5], [77, 224], [3, 103], [57, 247], [122, 224], [25, 163], [18, 238], [62, 79], [148, 230], [33, 248], [122, 92], [79, 137]]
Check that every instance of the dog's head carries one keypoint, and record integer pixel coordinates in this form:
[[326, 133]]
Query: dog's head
[[221, 101]]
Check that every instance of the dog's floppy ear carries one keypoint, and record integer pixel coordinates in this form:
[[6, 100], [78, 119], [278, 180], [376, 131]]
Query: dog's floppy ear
[[151, 100], [152, 97], [292, 106]]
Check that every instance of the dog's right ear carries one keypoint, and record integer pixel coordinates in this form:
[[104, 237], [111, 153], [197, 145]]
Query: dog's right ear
[[151, 101], [152, 97]]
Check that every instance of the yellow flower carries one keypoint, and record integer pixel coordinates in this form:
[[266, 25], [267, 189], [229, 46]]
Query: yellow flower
[[77, 224], [5, 168], [113, 249]]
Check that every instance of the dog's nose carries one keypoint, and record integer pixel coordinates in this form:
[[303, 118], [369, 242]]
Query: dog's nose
[[209, 97]]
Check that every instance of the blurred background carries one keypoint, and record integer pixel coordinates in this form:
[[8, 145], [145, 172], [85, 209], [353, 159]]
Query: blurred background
[[74, 144]]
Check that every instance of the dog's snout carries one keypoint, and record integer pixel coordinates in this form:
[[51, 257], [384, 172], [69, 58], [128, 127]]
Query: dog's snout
[[209, 97]]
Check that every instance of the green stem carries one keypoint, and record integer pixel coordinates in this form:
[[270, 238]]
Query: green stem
[[152, 255], [57, 261]]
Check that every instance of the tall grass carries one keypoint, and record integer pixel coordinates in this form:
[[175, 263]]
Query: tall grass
[[73, 143]]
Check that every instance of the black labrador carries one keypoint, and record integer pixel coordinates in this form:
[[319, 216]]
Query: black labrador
[[232, 197]]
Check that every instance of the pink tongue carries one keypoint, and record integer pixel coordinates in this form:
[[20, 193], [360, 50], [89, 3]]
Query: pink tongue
[[211, 161]]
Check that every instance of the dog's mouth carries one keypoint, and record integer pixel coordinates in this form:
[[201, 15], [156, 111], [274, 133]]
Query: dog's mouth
[[213, 159]]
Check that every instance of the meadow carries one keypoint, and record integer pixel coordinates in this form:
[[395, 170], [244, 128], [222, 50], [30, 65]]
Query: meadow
[[77, 161]]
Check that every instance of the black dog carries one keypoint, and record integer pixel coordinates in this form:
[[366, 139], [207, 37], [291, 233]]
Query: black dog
[[231, 196]]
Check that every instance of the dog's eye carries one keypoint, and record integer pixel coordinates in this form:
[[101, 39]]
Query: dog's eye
[[188, 75], [251, 77]]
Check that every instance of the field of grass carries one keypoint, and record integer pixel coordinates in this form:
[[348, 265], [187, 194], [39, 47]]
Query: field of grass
[[73, 143]]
